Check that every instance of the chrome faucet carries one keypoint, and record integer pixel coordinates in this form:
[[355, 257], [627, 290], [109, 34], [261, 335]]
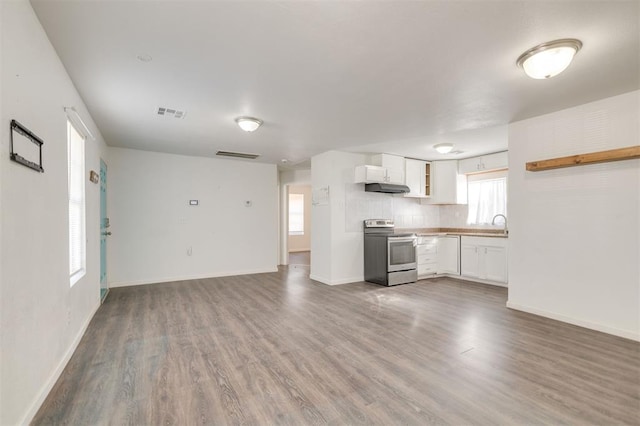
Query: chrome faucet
[[493, 222]]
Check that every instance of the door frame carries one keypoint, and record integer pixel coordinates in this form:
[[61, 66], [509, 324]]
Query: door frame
[[104, 226], [288, 178]]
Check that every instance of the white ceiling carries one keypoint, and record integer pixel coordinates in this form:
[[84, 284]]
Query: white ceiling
[[390, 76]]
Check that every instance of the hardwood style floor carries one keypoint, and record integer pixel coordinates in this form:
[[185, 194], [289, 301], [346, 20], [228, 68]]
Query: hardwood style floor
[[300, 258], [281, 349]]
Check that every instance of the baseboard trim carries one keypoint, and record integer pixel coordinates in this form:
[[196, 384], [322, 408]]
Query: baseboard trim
[[336, 282], [46, 388], [190, 277], [322, 280], [477, 280], [463, 278], [580, 323]]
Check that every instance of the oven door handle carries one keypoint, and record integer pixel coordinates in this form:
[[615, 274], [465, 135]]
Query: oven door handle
[[414, 240]]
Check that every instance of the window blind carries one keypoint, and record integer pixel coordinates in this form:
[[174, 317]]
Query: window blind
[[77, 226], [487, 197]]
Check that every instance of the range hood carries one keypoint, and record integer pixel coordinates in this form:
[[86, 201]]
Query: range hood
[[387, 188]]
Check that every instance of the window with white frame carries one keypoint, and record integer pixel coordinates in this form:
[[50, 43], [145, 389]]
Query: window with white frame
[[296, 214], [487, 197], [77, 225]]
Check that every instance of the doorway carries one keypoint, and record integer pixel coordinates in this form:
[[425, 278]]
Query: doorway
[[299, 224], [104, 231]]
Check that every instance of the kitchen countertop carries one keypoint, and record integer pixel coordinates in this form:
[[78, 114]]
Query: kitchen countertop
[[472, 232]]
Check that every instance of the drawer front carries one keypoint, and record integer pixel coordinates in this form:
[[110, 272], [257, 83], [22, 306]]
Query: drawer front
[[426, 249], [427, 240], [427, 258], [484, 241], [427, 269]]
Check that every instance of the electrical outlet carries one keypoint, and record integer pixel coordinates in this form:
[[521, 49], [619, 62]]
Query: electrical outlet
[[189, 251]]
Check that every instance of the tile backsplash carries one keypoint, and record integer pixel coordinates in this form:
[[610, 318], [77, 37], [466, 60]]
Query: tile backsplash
[[455, 216], [408, 213]]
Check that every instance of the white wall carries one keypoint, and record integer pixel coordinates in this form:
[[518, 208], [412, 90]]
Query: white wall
[[42, 318], [295, 177], [302, 242], [337, 253], [575, 232], [158, 236]]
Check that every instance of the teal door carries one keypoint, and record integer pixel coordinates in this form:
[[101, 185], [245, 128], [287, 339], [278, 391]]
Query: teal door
[[104, 231]]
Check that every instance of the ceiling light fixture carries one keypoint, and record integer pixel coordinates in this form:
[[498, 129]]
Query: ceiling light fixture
[[444, 148], [549, 59], [248, 124]]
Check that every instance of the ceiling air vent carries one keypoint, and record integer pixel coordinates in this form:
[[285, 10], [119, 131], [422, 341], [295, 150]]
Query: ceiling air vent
[[237, 155], [170, 112]]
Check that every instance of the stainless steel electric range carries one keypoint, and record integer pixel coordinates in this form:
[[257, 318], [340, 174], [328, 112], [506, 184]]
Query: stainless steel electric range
[[389, 258]]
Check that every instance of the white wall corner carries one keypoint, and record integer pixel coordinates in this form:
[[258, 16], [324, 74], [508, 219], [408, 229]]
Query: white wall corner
[[55, 375]]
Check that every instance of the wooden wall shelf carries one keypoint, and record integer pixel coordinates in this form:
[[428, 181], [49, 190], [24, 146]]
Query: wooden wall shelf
[[619, 154]]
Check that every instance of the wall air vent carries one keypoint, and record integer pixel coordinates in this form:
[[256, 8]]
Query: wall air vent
[[170, 112], [237, 155]]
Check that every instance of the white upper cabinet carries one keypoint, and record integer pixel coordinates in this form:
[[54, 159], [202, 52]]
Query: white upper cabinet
[[415, 177], [497, 161], [448, 187], [484, 163], [394, 165], [370, 174], [395, 176]]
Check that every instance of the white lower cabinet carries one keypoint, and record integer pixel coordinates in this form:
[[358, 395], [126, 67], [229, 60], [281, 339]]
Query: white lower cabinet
[[470, 266], [427, 256], [449, 255], [438, 255], [484, 258], [495, 260]]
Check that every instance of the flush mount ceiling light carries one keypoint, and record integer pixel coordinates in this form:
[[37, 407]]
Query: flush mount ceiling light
[[444, 148], [248, 124], [549, 59]]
